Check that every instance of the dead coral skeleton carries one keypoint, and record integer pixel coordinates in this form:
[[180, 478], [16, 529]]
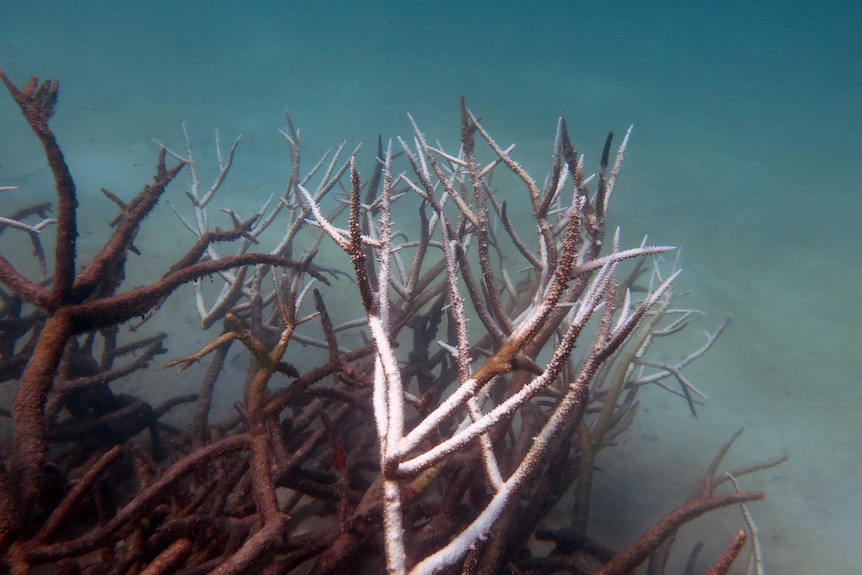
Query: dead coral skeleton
[[445, 448]]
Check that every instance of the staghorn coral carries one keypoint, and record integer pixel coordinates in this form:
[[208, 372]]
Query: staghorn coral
[[436, 452]]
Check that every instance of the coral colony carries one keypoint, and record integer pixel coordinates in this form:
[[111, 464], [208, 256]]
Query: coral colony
[[421, 442]]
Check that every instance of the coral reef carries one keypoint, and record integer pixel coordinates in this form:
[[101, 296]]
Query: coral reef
[[433, 446]]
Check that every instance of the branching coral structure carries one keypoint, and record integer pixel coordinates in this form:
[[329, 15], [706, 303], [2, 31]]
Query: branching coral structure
[[437, 434]]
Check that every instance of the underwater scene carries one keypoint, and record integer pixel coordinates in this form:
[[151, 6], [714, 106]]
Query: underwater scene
[[430, 287]]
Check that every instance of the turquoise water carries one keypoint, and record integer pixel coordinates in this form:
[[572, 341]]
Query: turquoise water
[[745, 151]]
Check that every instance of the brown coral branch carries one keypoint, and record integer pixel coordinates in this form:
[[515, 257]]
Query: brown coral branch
[[128, 305], [722, 566], [37, 102], [112, 256], [27, 290], [636, 553], [169, 560], [76, 494], [142, 503]]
